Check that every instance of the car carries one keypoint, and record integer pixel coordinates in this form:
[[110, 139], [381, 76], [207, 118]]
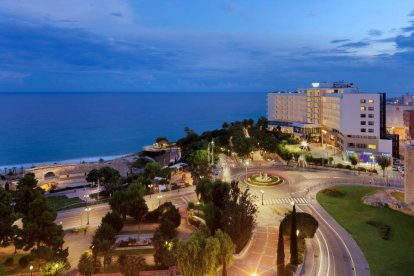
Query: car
[[396, 162]]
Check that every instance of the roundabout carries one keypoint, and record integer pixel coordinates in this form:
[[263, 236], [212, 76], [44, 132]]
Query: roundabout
[[263, 179]]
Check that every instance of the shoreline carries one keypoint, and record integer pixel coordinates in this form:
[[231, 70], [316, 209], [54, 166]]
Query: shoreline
[[80, 160]]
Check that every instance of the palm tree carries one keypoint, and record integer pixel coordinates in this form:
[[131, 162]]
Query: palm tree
[[384, 162]]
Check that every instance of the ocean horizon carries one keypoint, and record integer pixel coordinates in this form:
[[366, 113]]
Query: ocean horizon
[[46, 128]]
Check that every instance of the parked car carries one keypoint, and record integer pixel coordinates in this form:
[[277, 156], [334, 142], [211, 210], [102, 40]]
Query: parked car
[[396, 161]]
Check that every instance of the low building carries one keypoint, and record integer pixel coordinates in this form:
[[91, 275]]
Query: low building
[[395, 119], [337, 114], [409, 173], [409, 124]]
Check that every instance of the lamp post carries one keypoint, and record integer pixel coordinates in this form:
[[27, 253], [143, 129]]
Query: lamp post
[[262, 195], [246, 163], [159, 200], [56, 268], [87, 210], [31, 270], [198, 204], [150, 187]]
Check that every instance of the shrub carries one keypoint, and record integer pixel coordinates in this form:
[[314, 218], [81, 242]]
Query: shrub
[[361, 169], [194, 222], [332, 192], [9, 261], [383, 228], [190, 205], [152, 216], [24, 261], [348, 167], [340, 166]]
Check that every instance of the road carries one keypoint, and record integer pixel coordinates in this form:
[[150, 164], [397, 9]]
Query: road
[[335, 250]]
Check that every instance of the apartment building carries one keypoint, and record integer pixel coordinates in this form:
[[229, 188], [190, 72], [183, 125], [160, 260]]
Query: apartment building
[[335, 114]]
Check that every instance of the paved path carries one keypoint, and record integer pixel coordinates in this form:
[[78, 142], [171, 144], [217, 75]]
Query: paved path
[[261, 257]]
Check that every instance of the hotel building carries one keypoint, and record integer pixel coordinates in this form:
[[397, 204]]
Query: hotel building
[[335, 114]]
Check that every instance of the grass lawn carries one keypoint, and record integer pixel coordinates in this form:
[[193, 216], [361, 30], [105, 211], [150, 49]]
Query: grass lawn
[[63, 202], [398, 196], [15, 269], [385, 257]]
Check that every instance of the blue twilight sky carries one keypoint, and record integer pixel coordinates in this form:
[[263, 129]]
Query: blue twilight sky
[[205, 45]]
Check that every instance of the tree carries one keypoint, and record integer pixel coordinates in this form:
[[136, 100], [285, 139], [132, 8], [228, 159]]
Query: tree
[[27, 191], [293, 239], [8, 217], [384, 162], [164, 244], [119, 202], [54, 268], [137, 208], [198, 255], [152, 169], [114, 220], [86, 263], [102, 241], [280, 261], [40, 232], [305, 223], [107, 175], [171, 213], [133, 265], [226, 250], [261, 123], [199, 167], [238, 218], [353, 158]]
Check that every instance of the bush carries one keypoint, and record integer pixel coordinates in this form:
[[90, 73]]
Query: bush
[[348, 167], [361, 169], [24, 261], [9, 261], [340, 166], [194, 222], [332, 192], [383, 228], [152, 216]]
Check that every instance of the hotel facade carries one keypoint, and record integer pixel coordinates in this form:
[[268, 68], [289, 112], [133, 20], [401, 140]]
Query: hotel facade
[[335, 114]]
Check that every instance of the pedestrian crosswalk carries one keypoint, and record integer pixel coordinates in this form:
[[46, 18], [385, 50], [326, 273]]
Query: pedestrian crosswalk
[[287, 200]]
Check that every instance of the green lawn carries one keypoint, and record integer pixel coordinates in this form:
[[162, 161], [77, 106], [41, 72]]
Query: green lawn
[[385, 257], [63, 202]]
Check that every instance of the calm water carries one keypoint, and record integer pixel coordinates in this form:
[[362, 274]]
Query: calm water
[[45, 127]]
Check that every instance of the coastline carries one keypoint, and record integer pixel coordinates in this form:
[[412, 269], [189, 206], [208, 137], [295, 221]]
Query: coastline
[[64, 162]]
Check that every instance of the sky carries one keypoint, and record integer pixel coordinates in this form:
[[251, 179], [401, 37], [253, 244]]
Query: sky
[[204, 45]]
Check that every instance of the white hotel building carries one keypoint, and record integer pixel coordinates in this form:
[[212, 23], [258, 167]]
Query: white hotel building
[[337, 114]]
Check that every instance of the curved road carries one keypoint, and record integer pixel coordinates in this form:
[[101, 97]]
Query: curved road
[[336, 254]]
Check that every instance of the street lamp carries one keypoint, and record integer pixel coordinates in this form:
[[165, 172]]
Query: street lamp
[[198, 204], [159, 200], [262, 195], [31, 270], [150, 186], [56, 268], [87, 210]]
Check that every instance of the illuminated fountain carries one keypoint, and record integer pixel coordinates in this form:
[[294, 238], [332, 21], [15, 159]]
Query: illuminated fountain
[[263, 179]]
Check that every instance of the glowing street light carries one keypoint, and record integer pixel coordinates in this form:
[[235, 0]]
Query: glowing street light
[[159, 200], [31, 270], [198, 204], [87, 210], [56, 268], [254, 274]]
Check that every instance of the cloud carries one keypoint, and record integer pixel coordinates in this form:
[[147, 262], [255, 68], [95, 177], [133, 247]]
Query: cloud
[[353, 45], [375, 32], [116, 14], [339, 40]]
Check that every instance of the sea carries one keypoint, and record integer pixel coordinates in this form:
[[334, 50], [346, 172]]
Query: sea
[[40, 128]]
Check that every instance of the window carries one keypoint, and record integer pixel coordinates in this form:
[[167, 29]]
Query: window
[[371, 101], [371, 130], [371, 123], [361, 146], [363, 108], [363, 115], [351, 145], [370, 115], [363, 123], [372, 146], [371, 108], [363, 130], [363, 101]]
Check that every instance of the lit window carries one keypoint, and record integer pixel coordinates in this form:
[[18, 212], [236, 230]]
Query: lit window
[[371, 101], [363, 130], [372, 146], [371, 108], [363, 101], [363, 108]]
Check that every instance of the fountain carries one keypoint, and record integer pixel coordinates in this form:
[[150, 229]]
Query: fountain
[[263, 179]]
